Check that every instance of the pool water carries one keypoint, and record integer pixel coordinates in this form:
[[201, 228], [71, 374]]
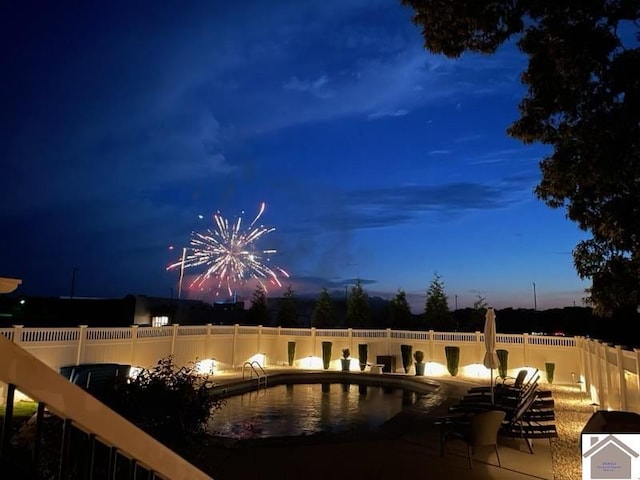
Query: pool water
[[305, 409]]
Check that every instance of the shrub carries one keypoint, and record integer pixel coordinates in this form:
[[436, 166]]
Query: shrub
[[362, 355], [550, 368], [167, 402], [406, 357], [291, 352], [503, 357], [326, 354], [452, 353], [345, 353]]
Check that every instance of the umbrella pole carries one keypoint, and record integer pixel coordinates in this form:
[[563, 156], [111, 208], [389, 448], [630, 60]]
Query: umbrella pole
[[491, 380]]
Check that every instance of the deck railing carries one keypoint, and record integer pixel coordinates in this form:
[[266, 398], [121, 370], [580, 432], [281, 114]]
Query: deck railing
[[83, 412], [607, 374]]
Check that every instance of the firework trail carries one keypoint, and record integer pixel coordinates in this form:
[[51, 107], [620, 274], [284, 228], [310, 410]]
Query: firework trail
[[229, 255]]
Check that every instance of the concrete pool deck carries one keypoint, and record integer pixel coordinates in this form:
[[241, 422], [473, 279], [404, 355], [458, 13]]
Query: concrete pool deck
[[408, 444]]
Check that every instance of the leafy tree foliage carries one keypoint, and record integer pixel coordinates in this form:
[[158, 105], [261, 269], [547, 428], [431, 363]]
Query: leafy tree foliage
[[399, 311], [479, 310], [583, 100], [258, 313], [323, 315], [171, 404], [436, 309], [288, 309], [480, 303], [358, 311]]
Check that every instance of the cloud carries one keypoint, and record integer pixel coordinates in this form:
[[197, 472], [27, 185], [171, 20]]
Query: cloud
[[380, 114], [385, 206], [439, 152], [317, 87]]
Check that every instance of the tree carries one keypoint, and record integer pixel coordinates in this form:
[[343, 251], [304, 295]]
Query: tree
[[436, 308], [479, 311], [288, 309], [583, 100], [480, 303], [323, 315], [399, 311], [258, 313], [358, 311]]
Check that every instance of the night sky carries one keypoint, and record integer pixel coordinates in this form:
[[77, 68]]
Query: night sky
[[125, 125]]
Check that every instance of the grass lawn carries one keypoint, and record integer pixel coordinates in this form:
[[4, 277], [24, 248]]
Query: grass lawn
[[22, 410]]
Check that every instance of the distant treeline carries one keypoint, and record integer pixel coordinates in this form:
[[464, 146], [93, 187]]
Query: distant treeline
[[570, 321]]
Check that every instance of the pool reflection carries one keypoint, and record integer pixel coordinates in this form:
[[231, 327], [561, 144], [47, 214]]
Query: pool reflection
[[304, 409]]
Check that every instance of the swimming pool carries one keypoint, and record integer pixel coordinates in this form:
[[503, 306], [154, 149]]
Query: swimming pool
[[311, 408]]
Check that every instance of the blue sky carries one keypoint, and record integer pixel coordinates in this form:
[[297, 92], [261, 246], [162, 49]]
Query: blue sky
[[125, 121]]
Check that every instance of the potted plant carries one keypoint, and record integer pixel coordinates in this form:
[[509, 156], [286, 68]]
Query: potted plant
[[550, 368], [418, 356], [503, 357], [291, 352], [452, 352], [326, 354], [346, 361], [406, 357], [362, 355]]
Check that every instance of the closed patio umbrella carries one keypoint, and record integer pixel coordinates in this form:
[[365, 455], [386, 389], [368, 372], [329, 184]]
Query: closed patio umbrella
[[491, 360]]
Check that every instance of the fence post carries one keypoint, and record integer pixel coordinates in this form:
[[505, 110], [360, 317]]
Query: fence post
[[173, 338], [525, 349], [601, 392], [82, 337], [637, 372], [280, 344], [431, 346], [389, 342], [623, 383], [590, 376], [207, 342], [235, 343], [132, 343], [17, 334], [579, 341]]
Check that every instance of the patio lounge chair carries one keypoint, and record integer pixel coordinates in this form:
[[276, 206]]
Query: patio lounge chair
[[481, 430], [507, 382], [530, 422], [509, 398]]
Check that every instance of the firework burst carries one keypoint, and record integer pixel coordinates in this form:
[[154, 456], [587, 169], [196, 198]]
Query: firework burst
[[229, 255]]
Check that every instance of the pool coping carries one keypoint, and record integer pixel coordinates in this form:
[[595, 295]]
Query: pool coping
[[417, 384]]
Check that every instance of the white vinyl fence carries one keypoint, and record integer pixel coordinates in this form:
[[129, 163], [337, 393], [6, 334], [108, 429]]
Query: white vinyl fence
[[608, 375]]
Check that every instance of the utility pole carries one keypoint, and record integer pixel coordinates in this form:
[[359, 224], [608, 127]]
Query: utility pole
[[184, 253], [73, 283], [535, 307]]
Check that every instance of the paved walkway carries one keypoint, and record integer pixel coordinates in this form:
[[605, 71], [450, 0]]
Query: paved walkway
[[408, 445]]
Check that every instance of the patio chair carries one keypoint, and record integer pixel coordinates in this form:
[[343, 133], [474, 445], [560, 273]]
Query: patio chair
[[505, 398], [518, 382], [529, 422], [480, 431]]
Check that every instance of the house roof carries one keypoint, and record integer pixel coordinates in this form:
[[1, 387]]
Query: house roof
[[606, 441]]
